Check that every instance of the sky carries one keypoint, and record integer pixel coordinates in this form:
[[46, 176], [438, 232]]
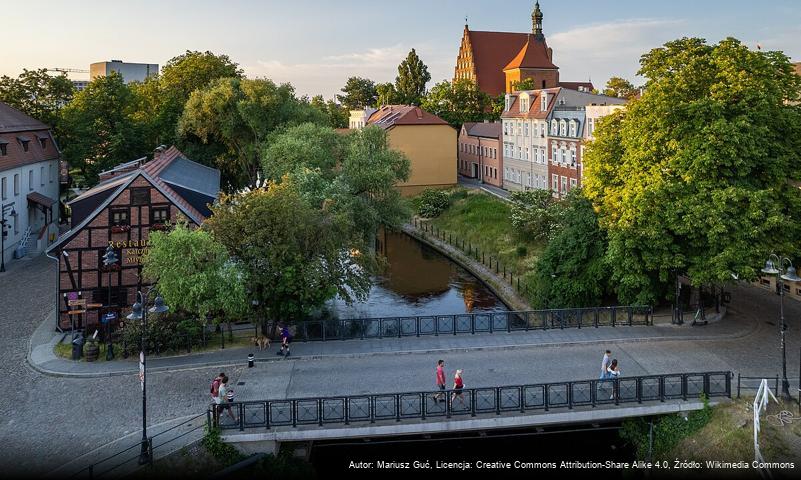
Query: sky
[[317, 45]]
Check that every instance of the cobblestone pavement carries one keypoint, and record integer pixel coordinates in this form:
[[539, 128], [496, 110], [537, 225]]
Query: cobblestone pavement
[[51, 420]]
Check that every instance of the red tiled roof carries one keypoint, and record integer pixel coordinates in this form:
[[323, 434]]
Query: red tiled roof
[[12, 120], [533, 54], [491, 52], [388, 116], [576, 85], [534, 104]]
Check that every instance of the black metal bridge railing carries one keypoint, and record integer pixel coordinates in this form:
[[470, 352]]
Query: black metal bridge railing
[[470, 402], [470, 323]]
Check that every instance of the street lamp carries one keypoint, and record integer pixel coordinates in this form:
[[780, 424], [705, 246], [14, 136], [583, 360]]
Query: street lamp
[[109, 259], [12, 213], [139, 312], [789, 274]]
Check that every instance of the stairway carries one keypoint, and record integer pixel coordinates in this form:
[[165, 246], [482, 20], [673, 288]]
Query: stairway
[[22, 247]]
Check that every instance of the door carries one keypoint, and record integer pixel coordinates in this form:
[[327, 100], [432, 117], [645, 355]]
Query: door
[[475, 170]]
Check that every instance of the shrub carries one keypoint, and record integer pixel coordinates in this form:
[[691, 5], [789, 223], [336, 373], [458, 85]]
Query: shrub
[[521, 250], [221, 451], [433, 203], [535, 214], [164, 332]]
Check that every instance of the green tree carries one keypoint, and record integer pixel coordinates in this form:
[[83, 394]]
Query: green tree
[[572, 270], [161, 100], [38, 94], [620, 87], [98, 128], [458, 103], [410, 83], [386, 95], [195, 274], [536, 214], [240, 114], [296, 255], [336, 113], [358, 93], [525, 84], [352, 176], [694, 175]]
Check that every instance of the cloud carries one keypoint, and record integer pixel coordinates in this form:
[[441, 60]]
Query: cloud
[[330, 73], [599, 51]]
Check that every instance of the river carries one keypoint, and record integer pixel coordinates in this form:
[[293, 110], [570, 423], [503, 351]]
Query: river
[[418, 281]]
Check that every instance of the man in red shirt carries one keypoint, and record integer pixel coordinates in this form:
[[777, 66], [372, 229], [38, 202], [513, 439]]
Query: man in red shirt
[[440, 381]]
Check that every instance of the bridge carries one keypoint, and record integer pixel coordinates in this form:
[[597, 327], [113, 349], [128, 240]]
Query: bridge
[[262, 425]]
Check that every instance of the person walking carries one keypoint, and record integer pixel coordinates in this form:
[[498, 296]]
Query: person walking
[[613, 373], [286, 338], [215, 392], [458, 385], [440, 396], [222, 399], [605, 364]]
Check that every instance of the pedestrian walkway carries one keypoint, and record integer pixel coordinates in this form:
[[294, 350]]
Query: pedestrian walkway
[[472, 183], [44, 360]]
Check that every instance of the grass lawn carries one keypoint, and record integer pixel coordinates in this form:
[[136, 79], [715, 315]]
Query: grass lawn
[[729, 436], [483, 221]]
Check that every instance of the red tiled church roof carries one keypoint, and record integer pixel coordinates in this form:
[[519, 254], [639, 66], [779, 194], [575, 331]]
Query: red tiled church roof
[[491, 52], [533, 54]]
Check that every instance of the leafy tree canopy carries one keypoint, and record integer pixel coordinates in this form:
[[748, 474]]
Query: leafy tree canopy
[[620, 87], [410, 84], [694, 175], [195, 274], [536, 213], [387, 95], [38, 94], [458, 102], [240, 114], [358, 93]]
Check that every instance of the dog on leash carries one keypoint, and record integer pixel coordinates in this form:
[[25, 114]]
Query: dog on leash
[[262, 342]]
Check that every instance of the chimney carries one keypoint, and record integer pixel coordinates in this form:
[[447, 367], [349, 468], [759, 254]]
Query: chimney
[[158, 151]]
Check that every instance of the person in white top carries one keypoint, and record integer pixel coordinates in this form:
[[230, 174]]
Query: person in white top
[[605, 364], [221, 399]]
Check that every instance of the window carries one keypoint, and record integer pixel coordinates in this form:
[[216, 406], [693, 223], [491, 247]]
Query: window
[[554, 127], [525, 129], [572, 128], [25, 145], [526, 153], [553, 154], [159, 215], [543, 102], [3, 188], [43, 141], [591, 126], [562, 128], [573, 156], [573, 183], [119, 217], [30, 180], [3, 148], [524, 104], [140, 196], [564, 184], [41, 176], [555, 182], [16, 184]]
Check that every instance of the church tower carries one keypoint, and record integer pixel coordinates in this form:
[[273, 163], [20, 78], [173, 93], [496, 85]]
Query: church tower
[[534, 60]]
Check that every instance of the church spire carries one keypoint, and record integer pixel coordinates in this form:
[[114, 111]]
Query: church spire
[[536, 22]]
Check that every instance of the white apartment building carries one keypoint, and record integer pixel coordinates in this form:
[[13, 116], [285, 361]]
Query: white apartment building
[[526, 118], [358, 118], [29, 183], [130, 72]]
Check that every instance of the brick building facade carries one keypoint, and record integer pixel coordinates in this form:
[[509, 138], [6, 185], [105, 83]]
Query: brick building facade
[[480, 154], [121, 212]]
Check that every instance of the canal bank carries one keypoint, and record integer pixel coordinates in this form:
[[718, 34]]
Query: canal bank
[[500, 287]]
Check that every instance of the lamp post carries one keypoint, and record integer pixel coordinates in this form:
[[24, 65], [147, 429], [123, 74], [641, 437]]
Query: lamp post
[[139, 312], [789, 274], [109, 259], [12, 213]]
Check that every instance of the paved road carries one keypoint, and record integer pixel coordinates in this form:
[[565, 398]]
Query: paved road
[[53, 419]]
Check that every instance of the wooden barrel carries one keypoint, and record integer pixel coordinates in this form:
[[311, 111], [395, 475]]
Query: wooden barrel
[[92, 352]]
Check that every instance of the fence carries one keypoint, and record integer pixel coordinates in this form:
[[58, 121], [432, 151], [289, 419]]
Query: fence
[[471, 323], [129, 457], [754, 383], [398, 407], [475, 252]]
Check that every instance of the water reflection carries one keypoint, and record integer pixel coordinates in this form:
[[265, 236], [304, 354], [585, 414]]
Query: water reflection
[[418, 281]]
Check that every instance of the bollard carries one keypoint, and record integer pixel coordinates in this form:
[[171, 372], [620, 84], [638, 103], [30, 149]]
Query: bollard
[[250, 360]]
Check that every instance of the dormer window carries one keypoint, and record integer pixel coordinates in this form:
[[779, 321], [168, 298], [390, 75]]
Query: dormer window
[[3, 148], [543, 101], [25, 142], [43, 142], [572, 128], [562, 128], [523, 104], [554, 128]]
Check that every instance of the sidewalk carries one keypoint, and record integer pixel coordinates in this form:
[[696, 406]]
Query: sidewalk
[[42, 358], [472, 183]]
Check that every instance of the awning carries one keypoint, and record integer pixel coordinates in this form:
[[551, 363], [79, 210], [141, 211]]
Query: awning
[[40, 199]]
